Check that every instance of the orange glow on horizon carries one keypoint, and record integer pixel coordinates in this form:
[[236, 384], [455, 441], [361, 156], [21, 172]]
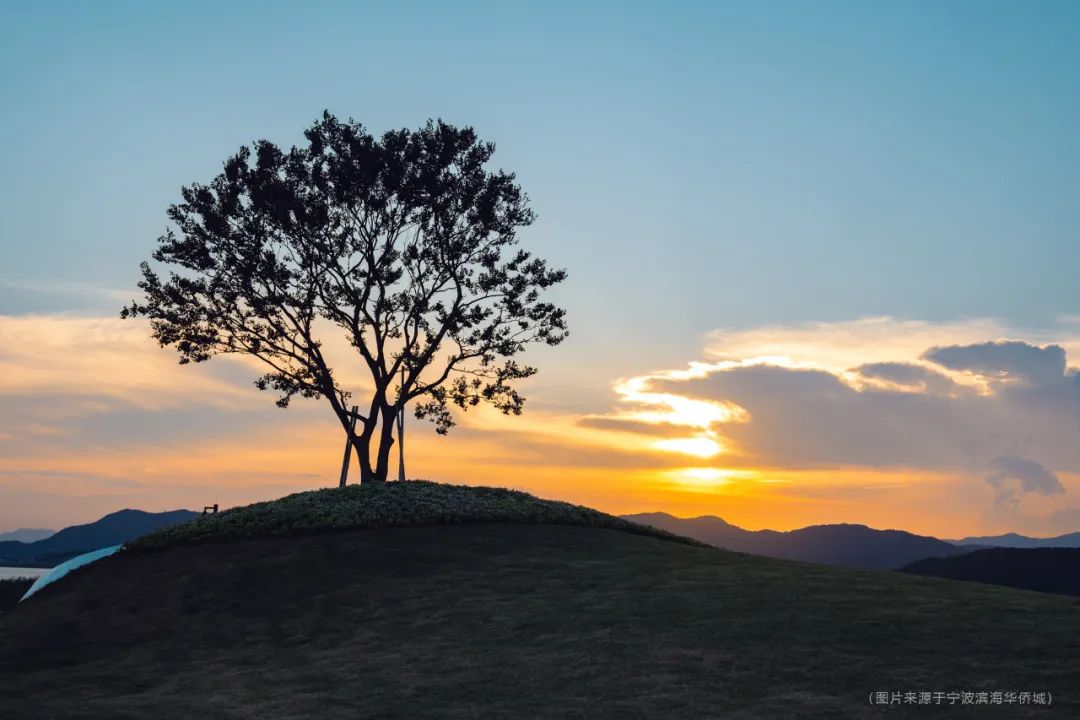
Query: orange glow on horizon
[[72, 379]]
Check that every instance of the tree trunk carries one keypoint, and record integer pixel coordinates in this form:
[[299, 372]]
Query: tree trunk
[[386, 442], [387, 422], [381, 418], [363, 453]]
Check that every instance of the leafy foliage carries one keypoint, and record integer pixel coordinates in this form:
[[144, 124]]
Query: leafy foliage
[[405, 243]]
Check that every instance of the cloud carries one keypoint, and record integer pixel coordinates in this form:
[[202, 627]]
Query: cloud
[[1004, 360], [837, 346], [632, 425], [908, 376], [807, 418], [871, 394], [113, 361], [70, 288], [1014, 477]]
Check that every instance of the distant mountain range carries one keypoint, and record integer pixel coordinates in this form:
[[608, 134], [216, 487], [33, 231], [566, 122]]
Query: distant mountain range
[[113, 529], [855, 546], [26, 535], [1012, 540], [1052, 570]]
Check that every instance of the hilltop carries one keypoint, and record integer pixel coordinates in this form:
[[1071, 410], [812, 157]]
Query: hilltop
[[302, 608], [383, 505]]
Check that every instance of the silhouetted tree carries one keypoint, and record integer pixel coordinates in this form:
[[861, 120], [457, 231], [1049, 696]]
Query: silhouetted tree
[[404, 243]]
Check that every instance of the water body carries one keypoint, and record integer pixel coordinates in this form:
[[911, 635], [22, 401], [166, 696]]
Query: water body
[[7, 573]]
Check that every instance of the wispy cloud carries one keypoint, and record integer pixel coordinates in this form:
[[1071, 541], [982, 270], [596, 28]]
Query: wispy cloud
[[107, 359], [880, 421], [1015, 477], [69, 289]]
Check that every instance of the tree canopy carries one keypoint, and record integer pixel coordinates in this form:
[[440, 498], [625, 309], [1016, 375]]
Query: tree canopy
[[407, 244]]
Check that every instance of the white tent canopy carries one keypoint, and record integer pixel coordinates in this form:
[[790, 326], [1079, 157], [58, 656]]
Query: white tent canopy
[[65, 567]]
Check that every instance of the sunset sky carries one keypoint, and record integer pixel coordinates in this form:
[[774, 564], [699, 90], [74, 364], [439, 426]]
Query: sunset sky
[[823, 256]]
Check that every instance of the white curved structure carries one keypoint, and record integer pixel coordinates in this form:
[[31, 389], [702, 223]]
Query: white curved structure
[[65, 567]]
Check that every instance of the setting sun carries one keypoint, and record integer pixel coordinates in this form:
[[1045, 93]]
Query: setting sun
[[703, 447]]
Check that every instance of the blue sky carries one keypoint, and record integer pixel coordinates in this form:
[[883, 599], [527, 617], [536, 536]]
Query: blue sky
[[696, 166]]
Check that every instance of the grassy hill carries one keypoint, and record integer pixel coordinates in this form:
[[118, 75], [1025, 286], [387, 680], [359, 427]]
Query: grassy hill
[[11, 589], [579, 615], [383, 505], [1049, 569]]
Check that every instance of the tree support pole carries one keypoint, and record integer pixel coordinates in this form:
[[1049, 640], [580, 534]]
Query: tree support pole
[[401, 432], [353, 415]]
